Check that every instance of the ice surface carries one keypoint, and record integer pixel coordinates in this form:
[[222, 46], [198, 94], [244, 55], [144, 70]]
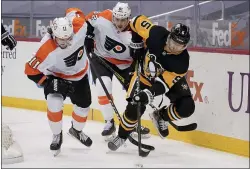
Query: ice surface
[[32, 132]]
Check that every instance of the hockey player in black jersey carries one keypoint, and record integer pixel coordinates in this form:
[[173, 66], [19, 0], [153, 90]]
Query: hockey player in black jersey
[[164, 61]]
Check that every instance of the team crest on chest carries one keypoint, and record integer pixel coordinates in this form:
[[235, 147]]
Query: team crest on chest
[[73, 58], [114, 45], [152, 68]]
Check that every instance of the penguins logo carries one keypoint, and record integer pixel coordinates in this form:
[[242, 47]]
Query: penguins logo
[[152, 69]]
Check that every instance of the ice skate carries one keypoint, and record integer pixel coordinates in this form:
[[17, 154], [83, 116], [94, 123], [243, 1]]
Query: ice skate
[[80, 136], [160, 124], [116, 143], [145, 132], [55, 146], [109, 130]]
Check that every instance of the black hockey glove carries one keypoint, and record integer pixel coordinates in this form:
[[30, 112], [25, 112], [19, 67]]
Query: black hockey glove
[[136, 50], [58, 85], [136, 46], [89, 39], [8, 40], [144, 96], [89, 43]]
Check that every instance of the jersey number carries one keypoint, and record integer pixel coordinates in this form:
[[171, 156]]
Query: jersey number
[[34, 63], [145, 24]]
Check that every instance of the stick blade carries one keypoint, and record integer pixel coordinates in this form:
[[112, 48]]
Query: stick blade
[[184, 128], [143, 153]]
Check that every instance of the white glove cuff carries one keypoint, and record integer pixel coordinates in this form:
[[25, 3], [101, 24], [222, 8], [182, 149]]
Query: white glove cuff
[[136, 45]]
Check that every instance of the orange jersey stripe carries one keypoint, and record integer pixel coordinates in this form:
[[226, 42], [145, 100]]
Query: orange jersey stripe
[[31, 71], [42, 80], [79, 11], [107, 14], [78, 20], [77, 24], [117, 62], [79, 74], [42, 53], [103, 100], [79, 118], [45, 50], [90, 15], [54, 116]]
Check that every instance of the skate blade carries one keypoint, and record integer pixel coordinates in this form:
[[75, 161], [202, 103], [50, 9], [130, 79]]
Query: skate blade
[[155, 123], [56, 152], [143, 136]]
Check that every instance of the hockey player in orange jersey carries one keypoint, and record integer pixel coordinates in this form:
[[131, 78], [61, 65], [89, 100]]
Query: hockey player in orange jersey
[[111, 32], [60, 67]]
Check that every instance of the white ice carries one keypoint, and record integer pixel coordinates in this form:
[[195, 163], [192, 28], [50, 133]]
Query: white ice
[[32, 132]]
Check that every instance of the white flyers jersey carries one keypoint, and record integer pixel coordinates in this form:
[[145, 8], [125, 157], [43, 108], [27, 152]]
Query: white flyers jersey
[[110, 43], [70, 63]]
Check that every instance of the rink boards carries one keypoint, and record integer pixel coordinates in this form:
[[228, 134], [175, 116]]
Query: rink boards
[[219, 83]]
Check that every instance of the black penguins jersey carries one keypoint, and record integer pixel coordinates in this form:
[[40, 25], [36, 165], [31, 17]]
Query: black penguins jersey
[[159, 66]]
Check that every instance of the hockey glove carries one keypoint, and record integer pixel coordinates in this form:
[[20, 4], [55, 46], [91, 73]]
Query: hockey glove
[[144, 96], [89, 43], [61, 86], [8, 40], [136, 50], [89, 39]]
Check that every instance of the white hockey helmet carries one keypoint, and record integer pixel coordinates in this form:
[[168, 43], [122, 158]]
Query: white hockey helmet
[[121, 10], [62, 30], [120, 15]]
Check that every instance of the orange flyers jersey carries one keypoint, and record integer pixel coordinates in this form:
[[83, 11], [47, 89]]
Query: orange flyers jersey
[[69, 63], [111, 44]]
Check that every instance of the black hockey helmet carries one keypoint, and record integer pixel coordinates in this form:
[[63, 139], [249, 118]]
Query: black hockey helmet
[[180, 34]]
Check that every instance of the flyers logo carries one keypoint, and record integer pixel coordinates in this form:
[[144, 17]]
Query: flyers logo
[[111, 44], [73, 58]]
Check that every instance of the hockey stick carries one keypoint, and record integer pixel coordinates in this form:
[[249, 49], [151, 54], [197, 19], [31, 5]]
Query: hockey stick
[[131, 139], [188, 127], [137, 90]]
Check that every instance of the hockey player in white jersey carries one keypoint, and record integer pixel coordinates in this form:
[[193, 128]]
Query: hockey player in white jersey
[[60, 67], [108, 36]]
